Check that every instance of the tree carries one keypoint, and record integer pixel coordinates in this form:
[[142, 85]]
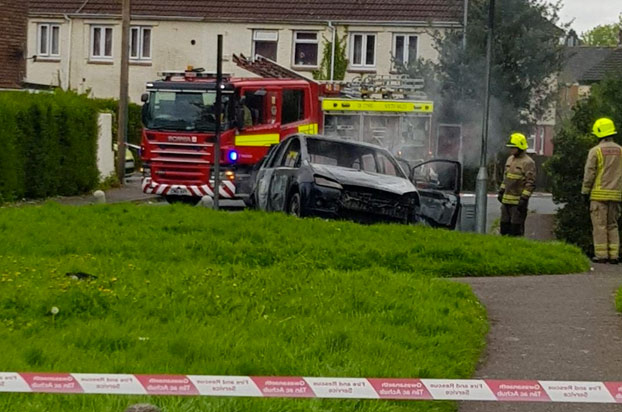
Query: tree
[[603, 35], [566, 166], [528, 54]]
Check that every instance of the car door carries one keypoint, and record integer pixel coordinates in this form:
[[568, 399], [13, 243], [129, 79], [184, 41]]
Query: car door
[[264, 177], [258, 173], [285, 172], [438, 183]]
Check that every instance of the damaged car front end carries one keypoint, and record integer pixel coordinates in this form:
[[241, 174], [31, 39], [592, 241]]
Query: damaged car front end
[[361, 196]]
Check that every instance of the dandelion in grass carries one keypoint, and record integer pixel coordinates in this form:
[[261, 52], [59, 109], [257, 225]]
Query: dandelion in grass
[[54, 311]]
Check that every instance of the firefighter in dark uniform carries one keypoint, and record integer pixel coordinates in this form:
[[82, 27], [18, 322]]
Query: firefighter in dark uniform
[[602, 183], [519, 182]]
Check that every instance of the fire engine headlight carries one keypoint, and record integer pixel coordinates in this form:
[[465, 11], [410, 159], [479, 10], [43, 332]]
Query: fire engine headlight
[[233, 156], [228, 175]]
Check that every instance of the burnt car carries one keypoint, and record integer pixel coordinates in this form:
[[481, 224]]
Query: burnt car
[[308, 175]]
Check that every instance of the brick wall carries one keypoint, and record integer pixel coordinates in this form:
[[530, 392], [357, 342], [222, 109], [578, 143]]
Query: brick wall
[[13, 29]]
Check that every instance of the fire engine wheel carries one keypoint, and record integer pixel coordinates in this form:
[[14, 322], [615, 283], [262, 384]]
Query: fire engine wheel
[[187, 200], [294, 207]]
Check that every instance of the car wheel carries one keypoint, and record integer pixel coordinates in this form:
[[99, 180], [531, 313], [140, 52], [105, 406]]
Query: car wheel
[[295, 205]]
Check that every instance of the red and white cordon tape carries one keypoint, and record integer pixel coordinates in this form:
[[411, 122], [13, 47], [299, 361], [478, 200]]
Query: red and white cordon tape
[[302, 387]]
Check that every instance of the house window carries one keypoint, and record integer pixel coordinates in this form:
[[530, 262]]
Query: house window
[[48, 40], [140, 43], [305, 48], [363, 50], [265, 43], [404, 49], [101, 42], [531, 142]]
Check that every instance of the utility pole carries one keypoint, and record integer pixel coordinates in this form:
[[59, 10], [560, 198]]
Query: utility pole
[[218, 111], [481, 189], [464, 24], [123, 90]]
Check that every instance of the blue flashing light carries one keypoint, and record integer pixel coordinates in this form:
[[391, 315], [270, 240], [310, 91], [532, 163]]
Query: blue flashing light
[[233, 156]]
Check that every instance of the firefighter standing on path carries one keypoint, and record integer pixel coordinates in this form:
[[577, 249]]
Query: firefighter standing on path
[[519, 182], [602, 182]]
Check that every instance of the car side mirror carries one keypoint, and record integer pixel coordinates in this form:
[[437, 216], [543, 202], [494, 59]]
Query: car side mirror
[[144, 112], [144, 97]]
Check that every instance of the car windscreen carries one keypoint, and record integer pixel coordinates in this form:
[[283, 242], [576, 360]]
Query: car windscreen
[[352, 156], [169, 110]]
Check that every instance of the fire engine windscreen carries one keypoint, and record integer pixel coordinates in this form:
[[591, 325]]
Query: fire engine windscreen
[[183, 111], [352, 156]]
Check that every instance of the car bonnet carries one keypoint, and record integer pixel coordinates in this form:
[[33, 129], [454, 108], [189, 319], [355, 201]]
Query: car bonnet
[[352, 177]]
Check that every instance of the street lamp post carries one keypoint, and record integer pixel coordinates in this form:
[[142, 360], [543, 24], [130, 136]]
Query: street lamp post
[[481, 189]]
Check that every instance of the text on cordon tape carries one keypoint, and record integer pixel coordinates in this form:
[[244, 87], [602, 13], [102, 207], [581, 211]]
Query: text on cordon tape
[[305, 387]]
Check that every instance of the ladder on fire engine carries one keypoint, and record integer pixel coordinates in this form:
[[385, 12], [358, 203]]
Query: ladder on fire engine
[[361, 87], [385, 87], [264, 67]]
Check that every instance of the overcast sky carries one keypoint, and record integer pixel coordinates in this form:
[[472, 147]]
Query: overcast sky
[[590, 13]]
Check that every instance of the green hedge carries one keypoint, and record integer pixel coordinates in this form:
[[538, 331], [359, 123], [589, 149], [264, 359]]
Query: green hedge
[[48, 145]]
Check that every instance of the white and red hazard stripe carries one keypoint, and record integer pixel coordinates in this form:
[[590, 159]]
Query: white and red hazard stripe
[[306, 387], [227, 189]]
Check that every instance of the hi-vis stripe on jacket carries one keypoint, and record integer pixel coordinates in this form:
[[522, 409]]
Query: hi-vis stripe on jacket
[[602, 179], [519, 179]]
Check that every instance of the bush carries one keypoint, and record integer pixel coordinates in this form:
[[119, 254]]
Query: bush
[[566, 166], [49, 145]]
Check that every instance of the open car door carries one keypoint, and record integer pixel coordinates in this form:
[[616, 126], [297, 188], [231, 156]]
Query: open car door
[[438, 183]]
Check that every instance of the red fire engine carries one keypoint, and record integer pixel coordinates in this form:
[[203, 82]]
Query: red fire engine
[[179, 123]]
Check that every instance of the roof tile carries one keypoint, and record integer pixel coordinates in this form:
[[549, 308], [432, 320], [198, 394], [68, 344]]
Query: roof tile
[[279, 10]]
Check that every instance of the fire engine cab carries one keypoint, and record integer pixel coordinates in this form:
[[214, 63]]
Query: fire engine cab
[[179, 120]]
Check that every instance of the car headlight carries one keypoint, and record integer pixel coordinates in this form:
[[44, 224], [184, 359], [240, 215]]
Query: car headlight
[[322, 181]]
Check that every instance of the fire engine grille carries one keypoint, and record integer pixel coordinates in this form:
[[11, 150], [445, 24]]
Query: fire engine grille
[[175, 162]]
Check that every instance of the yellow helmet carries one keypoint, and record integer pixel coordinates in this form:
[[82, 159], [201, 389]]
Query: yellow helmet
[[604, 127], [518, 140]]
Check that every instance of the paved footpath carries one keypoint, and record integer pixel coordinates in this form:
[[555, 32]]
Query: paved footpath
[[551, 328]]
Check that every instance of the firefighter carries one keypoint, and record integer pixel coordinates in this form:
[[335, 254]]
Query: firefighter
[[519, 181], [602, 186]]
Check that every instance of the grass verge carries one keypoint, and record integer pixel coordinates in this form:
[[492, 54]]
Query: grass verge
[[191, 291], [619, 300]]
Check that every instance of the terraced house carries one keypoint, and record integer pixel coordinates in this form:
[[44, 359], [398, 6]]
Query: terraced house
[[76, 43]]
